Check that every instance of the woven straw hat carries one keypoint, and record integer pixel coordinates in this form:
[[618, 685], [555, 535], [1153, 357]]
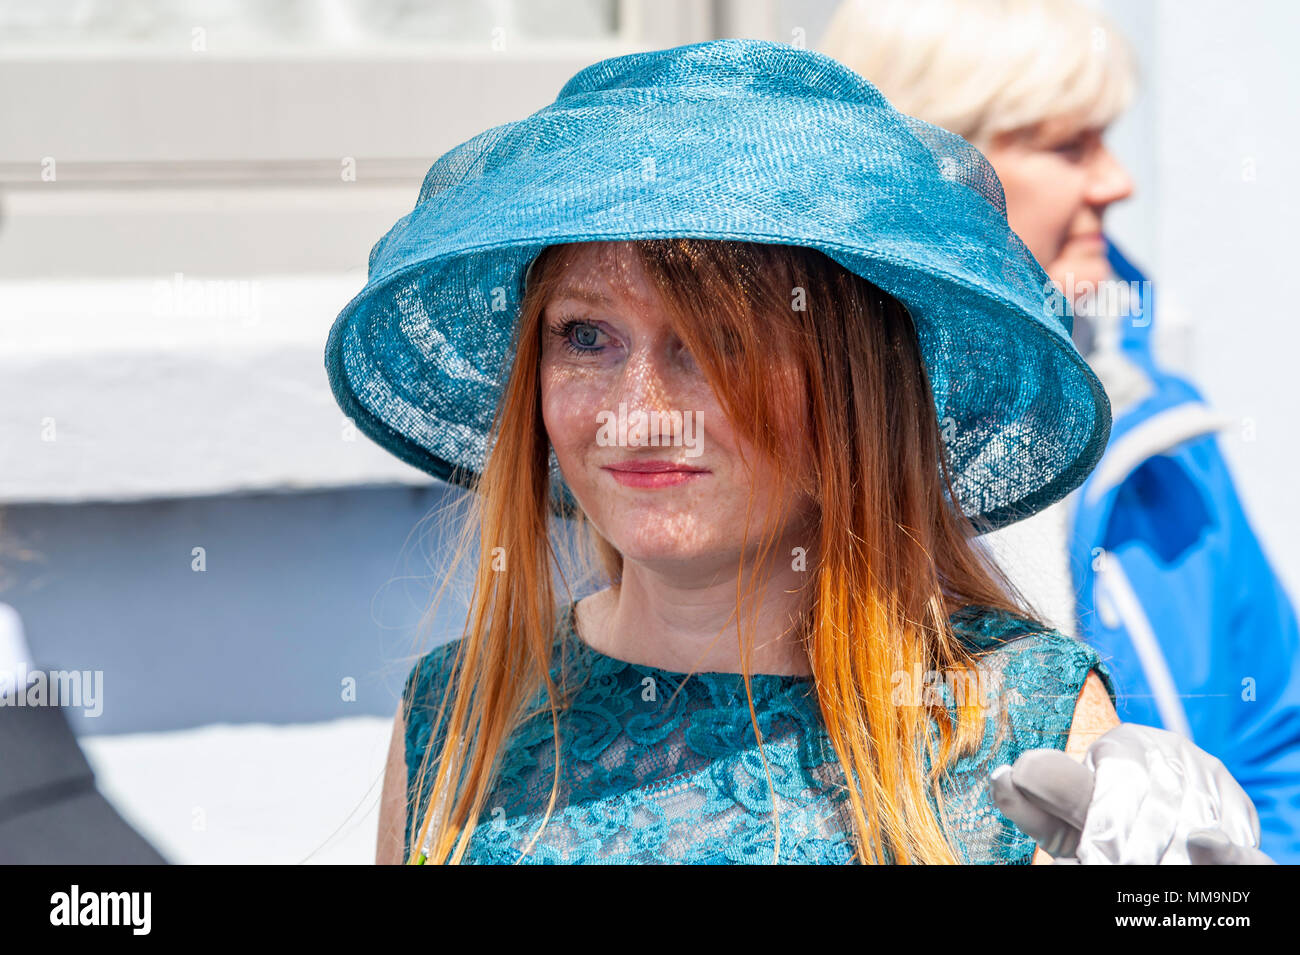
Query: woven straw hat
[[743, 140]]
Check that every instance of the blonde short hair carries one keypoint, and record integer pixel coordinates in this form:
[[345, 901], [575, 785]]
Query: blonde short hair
[[984, 67]]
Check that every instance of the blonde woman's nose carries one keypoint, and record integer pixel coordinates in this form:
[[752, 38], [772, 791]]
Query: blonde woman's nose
[[1110, 181]]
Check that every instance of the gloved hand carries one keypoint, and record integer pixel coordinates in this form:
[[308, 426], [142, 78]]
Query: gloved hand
[[1142, 796]]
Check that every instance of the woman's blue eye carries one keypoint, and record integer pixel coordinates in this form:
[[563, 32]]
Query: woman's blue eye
[[585, 334]]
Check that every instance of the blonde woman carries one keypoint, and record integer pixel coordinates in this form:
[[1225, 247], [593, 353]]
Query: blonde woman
[[1153, 561], [779, 385]]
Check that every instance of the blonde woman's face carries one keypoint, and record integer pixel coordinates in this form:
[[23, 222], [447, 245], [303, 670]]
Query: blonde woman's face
[[615, 380], [1059, 181]]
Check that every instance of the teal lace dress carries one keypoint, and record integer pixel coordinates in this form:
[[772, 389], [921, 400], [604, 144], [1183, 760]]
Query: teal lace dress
[[653, 775]]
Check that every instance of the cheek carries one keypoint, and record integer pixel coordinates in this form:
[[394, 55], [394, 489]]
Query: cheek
[[1043, 196], [1060, 194], [1038, 214], [569, 409], [741, 464]]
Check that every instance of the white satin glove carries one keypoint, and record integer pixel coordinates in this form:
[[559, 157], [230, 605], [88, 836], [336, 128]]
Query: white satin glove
[[1142, 796]]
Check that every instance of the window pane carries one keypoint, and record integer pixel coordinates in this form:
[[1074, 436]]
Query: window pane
[[255, 27]]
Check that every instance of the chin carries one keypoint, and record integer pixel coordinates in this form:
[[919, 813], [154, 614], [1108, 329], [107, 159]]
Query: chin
[[1083, 270], [658, 540]]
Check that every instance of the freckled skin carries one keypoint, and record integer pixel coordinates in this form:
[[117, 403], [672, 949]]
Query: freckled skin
[[681, 544]]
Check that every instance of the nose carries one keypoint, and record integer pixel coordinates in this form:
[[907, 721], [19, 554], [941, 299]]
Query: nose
[[1109, 180], [647, 384]]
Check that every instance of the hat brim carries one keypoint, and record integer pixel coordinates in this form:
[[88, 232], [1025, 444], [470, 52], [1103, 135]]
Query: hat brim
[[419, 357]]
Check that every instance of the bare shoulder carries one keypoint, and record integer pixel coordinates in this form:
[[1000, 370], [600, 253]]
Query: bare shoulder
[[1094, 716], [392, 800]]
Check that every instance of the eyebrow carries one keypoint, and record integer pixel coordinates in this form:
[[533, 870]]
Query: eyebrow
[[581, 295]]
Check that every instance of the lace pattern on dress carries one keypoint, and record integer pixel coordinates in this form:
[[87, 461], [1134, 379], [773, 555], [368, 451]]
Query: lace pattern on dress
[[659, 767]]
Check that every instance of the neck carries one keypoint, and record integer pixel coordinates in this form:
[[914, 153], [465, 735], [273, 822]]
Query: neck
[[689, 622]]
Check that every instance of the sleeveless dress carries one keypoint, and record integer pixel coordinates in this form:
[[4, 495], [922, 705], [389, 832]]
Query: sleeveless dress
[[661, 768]]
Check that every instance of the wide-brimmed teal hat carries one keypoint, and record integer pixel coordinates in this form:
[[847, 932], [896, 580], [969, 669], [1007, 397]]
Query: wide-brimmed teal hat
[[742, 140]]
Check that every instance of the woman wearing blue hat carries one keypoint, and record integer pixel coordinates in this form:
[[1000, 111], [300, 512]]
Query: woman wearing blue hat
[[773, 348]]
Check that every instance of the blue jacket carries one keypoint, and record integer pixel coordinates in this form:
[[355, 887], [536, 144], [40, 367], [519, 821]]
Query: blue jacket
[[1177, 595]]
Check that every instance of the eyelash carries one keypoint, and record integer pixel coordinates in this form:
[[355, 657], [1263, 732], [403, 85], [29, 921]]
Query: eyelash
[[1078, 146], [565, 328]]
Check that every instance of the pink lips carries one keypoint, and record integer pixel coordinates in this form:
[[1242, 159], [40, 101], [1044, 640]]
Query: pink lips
[[653, 474]]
